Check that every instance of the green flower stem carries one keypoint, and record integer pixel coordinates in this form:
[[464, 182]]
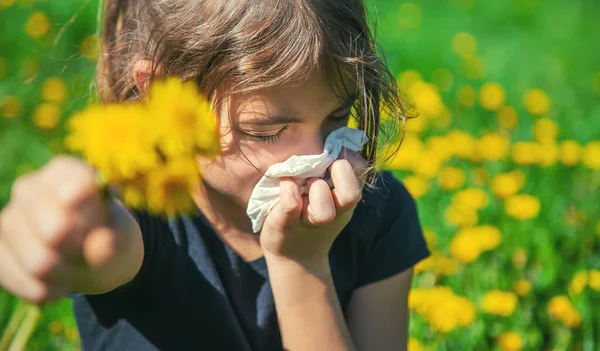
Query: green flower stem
[[32, 316], [13, 325]]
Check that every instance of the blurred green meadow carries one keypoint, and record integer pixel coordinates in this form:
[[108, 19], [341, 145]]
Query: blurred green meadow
[[504, 159]]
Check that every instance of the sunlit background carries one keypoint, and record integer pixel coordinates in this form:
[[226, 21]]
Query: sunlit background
[[504, 160]]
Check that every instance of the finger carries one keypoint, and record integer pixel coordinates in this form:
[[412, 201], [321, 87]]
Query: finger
[[320, 208], [72, 180], [17, 281], [358, 163], [99, 247], [289, 207], [347, 189]]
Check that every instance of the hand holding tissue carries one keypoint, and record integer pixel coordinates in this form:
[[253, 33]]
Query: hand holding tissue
[[266, 192]]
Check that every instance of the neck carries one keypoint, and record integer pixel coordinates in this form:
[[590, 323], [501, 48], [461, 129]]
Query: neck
[[225, 215]]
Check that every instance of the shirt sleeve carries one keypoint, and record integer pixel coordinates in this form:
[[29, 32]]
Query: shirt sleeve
[[398, 243]]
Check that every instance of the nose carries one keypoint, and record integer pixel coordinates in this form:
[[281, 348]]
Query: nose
[[312, 145]]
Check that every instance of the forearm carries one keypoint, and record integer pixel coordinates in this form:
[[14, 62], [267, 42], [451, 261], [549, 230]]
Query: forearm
[[308, 309]]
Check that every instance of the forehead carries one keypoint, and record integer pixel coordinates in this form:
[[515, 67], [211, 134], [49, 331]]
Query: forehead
[[318, 94]]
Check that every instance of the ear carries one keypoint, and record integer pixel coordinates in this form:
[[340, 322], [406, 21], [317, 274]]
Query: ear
[[142, 74]]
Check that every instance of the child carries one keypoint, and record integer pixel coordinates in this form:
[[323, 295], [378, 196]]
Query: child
[[330, 270]]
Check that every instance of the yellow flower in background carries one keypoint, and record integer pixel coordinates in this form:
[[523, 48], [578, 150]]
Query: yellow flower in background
[[6, 3], [134, 191], [525, 152], [54, 90], [416, 186], [461, 216], [591, 155], [570, 152], [473, 198], [428, 165], [466, 96], [451, 178], [463, 144], [178, 109], [510, 341], [507, 117], [408, 78], [443, 310], [536, 102], [545, 130], [474, 68], [548, 154], [37, 25], [522, 206], [492, 96], [426, 98], [443, 79], [560, 307], [522, 287], [502, 303], [409, 154], [430, 238], [10, 107], [413, 125], [170, 186], [90, 47], [507, 184], [438, 264], [464, 45], [469, 243], [46, 116], [441, 147], [415, 345], [493, 147], [594, 279], [116, 139], [409, 15], [578, 283]]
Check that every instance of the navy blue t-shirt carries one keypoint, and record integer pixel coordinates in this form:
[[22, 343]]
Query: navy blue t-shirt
[[194, 292]]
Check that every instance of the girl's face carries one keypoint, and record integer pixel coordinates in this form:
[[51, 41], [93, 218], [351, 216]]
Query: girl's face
[[267, 127]]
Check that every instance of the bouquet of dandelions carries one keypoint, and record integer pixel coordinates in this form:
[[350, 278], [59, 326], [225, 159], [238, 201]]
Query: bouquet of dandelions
[[148, 149]]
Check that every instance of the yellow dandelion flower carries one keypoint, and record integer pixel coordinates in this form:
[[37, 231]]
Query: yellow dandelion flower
[[510, 341], [451, 178], [463, 144], [409, 154], [37, 25], [522, 206], [408, 78], [133, 192], [507, 117], [461, 216], [10, 107], [522, 287], [429, 165], [413, 125], [525, 152], [545, 130], [561, 308], [594, 279], [591, 155], [427, 99], [116, 139], [438, 264], [46, 116], [416, 186], [536, 102], [464, 249], [409, 16], [179, 110], [474, 198], [502, 303], [430, 237], [548, 155], [519, 258], [54, 90], [487, 237], [466, 96], [169, 187], [443, 310], [415, 345], [578, 283], [443, 78], [464, 45], [474, 68], [6, 3], [570, 152], [440, 146], [90, 47], [492, 96], [493, 147], [507, 184]]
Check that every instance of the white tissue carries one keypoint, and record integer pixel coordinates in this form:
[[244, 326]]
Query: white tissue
[[266, 193]]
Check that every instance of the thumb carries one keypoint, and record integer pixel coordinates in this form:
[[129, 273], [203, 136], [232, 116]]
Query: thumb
[[289, 208]]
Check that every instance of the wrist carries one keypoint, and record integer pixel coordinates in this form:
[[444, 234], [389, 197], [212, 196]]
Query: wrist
[[316, 265]]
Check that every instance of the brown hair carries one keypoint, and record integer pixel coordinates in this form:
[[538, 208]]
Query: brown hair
[[247, 45]]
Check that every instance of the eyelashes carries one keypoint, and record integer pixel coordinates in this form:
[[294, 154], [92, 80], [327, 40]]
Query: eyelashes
[[274, 138]]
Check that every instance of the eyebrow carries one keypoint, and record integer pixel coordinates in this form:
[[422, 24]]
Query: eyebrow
[[293, 119]]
